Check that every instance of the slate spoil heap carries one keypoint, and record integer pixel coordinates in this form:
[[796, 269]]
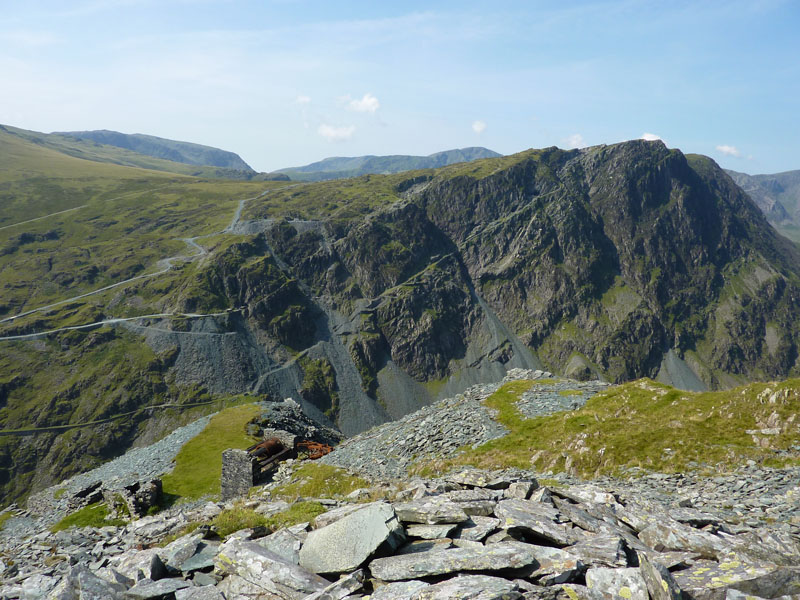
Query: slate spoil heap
[[474, 534]]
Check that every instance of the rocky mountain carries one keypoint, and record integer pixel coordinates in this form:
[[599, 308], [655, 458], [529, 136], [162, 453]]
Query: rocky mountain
[[778, 196], [134, 301], [150, 145], [342, 167]]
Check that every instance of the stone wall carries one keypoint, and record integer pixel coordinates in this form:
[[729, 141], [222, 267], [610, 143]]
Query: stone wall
[[239, 472]]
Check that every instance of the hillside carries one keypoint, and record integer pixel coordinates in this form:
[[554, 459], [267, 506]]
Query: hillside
[[367, 298], [778, 196], [150, 145], [343, 167], [94, 151]]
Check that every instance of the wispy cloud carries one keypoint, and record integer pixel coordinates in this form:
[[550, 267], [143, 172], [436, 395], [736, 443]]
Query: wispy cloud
[[729, 150], [303, 99], [28, 39], [651, 137], [368, 103], [333, 133], [575, 141], [479, 127]]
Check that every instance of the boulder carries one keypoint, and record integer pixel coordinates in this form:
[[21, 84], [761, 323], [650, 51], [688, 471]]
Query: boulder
[[431, 532], [347, 543], [504, 555], [398, 590], [284, 543], [142, 564], [470, 587], [617, 584], [179, 551], [671, 535], [552, 566], [659, 580], [207, 592], [430, 510], [82, 584], [477, 528], [347, 584], [536, 519], [260, 569], [709, 580], [602, 550], [155, 590]]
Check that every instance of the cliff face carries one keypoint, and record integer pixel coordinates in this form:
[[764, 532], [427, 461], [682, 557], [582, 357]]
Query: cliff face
[[365, 299]]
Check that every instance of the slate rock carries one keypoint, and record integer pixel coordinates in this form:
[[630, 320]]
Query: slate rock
[[614, 584], [709, 580], [179, 551], [335, 514], [82, 584], [602, 550], [347, 543], [552, 566], [521, 489], [207, 592], [659, 581], [398, 590], [417, 546], [155, 590], [431, 510], [260, 569], [672, 535], [202, 559], [534, 518], [347, 584], [142, 564], [284, 543], [470, 587], [477, 528], [431, 532], [504, 555]]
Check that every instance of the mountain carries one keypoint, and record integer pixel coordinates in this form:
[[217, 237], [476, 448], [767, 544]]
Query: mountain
[[149, 145], [94, 151], [342, 167], [778, 196], [156, 298]]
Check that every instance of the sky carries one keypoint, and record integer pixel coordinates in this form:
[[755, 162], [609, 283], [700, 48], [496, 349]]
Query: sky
[[288, 82]]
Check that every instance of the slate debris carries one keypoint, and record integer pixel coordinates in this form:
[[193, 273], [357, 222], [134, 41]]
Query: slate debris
[[472, 534]]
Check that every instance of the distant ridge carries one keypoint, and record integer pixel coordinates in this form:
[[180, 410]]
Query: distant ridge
[[339, 167], [778, 197], [182, 152]]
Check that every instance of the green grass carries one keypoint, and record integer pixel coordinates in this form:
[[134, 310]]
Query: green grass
[[641, 425], [234, 519], [93, 515], [199, 463], [315, 480], [299, 512], [3, 518]]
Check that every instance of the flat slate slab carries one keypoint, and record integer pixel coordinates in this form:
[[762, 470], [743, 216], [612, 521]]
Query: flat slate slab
[[345, 544], [504, 555], [430, 510], [535, 518]]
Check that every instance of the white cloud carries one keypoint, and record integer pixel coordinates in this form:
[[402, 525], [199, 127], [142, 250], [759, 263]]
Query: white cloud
[[651, 137], [336, 134], [368, 103], [303, 99], [479, 127], [729, 150], [575, 141]]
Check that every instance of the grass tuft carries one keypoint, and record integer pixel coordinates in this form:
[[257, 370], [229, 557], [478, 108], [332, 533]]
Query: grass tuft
[[315, 480], [93, 515]]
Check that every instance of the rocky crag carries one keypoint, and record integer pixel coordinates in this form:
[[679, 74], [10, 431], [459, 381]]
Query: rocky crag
[[368, 298]]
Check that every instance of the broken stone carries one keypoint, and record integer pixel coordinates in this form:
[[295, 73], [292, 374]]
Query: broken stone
[[552, 566], [431, 532], [155, 590], [144, 564], [179, 551], [431, 510], [335, 514], [709, 580], [613, 584], [347, 584], [199, 593], [602, 550], [504, 555], [676, 536], [398, 590], [476, 529], [470, 587], [202, 559], [284, 543], [659, 580], [425, 546], [80, 583], [347, 543], [534, 518], [263, 570], [521, 489]]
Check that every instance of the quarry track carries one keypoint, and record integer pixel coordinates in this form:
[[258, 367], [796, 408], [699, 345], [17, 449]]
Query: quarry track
[[165, 264]]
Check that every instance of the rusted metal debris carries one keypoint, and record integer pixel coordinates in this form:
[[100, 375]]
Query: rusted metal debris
[[271, 451], [315, 449]]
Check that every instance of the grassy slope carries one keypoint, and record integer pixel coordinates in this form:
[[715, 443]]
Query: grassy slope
[[644, 425], [104, 153]]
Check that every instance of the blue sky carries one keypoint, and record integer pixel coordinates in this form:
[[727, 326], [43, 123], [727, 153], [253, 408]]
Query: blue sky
[[287, 82]]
